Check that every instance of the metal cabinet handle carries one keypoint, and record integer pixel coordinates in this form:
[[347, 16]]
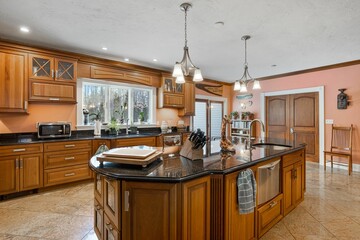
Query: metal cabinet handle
[[109, 226], [52, 73], [54, 99], [19, 150], [292, 130], [69, 158], [69, 174], [69, 145], [272, 204], [126, 200], [56, 74]]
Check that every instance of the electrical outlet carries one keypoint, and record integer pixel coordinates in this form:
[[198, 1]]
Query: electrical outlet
[[329, 121]]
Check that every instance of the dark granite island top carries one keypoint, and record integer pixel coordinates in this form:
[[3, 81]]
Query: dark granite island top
[[178, 168]]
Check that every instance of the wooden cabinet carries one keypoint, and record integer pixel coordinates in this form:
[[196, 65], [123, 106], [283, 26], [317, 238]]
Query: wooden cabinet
[[127, 142], [66, 161], [196, 209], [96, 143], [52, 79], [149, 210], [293, 180], [189, 100], [21, 168], [13, 81], [98, 219], [269, 214], [170, 94], [236, 226]]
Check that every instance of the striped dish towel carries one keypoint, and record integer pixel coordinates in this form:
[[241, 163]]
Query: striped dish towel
[[246, 191]]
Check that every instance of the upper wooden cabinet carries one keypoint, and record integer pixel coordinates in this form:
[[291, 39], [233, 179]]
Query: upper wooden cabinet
[[189, 101], [47, 67], [13, 81], [52, 79], [170, 94]]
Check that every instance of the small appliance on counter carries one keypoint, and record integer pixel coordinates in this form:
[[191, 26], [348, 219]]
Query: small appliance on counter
[[53, 129]]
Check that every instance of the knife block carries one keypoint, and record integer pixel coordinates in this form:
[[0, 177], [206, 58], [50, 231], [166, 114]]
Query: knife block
[[189, 153]]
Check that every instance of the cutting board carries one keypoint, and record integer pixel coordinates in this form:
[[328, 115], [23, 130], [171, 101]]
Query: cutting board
[[138, 153], [129, 160]]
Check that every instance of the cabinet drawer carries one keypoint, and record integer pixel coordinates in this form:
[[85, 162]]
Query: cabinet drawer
[[59, 146], [66, 174], [269, 214], [110, 231], [292, 158], [21, 149], [148, 141], [67, 158]]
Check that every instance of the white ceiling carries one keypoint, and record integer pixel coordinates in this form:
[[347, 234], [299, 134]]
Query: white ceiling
[[294, 35]]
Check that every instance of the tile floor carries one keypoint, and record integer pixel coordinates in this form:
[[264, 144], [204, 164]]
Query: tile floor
[[331, 210]]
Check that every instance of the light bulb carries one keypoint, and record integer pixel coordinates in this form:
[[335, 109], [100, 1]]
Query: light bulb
[[177, 72], [197, 76]]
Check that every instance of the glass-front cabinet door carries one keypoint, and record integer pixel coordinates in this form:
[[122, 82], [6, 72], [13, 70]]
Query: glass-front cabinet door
[[42, 67], [172, 87], [65, 70]]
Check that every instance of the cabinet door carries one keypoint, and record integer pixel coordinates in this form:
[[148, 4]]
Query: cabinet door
[[96, 143], [41, 67], [237, 226], [98, 219], [110, 231], [288, 173], [99, 189], [298, 183], [13, 81], [31, 171], [148, 141], [173, 100], [9, 174], [65, 70], [149, 211], [196, 209], [189, 101], [42, 91], [112, 200]]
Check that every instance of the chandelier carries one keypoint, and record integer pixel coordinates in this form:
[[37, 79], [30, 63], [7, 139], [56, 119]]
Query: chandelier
[[186, 66], [246, 78]]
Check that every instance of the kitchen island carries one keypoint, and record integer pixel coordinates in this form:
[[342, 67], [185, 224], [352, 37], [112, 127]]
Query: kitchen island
[[176, 198]]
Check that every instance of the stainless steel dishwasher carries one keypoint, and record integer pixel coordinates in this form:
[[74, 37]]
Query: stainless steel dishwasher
[[269, 181]]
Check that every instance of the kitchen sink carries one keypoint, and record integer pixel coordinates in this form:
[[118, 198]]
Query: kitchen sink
[[272, 146]]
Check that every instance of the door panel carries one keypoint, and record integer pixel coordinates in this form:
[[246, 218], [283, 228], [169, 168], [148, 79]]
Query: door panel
[[295, 118]]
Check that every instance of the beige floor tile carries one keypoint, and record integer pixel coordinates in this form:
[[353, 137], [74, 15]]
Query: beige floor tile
[[344, 228], [278, 232]]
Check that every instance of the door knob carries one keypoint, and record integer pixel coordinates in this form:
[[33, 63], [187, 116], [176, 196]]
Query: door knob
[[292, 130]]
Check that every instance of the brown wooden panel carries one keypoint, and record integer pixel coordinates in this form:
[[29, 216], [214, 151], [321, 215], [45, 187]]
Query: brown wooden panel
[[217, 206], [110, 231], [67, 158], [66, 174], [304, 111], [196, 209], [31, 171], [148, 141], [152, 211], [112, 201], [13, 81], [173, 100], [9, 174], [277, 107], [306, 137], [42, 91], [98, 219], [21, 149], [67, 145], [269, 215]]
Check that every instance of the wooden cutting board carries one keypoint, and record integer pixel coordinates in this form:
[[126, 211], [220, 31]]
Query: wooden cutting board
[[139, 153], [132, 161]]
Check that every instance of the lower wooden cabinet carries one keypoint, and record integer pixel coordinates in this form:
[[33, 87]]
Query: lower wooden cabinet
[[20, 172], [112, 201], [128, 142], [66, 174], [98, 219], [269, 214], [110, 231], [293, 176], [236, 226]]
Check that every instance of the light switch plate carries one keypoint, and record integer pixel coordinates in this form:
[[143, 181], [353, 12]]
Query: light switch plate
[[329, 121]]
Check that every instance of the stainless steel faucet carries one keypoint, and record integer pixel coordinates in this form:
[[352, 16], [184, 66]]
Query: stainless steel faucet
[[249, 140]]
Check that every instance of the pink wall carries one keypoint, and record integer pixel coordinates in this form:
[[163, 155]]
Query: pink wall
[[332, 79]]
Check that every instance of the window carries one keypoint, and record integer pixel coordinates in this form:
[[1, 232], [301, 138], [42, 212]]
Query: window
[[109, 101]]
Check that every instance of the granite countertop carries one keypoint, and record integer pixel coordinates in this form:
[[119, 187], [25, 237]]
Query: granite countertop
[[178, 168], [29, 138]]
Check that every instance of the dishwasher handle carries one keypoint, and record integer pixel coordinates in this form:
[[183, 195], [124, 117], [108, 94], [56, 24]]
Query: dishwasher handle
[[270, 166]]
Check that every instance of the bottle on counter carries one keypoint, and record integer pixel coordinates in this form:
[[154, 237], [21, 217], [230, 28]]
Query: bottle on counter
[[97, 128], [164, 127]]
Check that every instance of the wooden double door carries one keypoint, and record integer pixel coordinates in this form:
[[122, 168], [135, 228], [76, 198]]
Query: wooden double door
[[295, 118]]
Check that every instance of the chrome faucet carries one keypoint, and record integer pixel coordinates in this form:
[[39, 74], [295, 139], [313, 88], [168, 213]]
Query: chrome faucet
[[250, 138]]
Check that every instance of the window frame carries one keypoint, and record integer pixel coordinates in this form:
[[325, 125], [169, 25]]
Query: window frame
[[108, 84]]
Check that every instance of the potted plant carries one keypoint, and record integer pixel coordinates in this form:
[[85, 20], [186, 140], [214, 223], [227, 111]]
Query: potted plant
[[247, 116], [113, 127], [234, 114]]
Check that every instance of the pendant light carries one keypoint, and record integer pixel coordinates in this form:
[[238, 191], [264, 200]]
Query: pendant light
[[186, 66], [241, 85]]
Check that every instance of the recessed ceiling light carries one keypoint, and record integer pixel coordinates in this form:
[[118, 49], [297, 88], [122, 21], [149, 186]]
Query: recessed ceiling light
[[219, 24], [126, 59], [274, 65], [24, 29], [155, 60], [104, 48]]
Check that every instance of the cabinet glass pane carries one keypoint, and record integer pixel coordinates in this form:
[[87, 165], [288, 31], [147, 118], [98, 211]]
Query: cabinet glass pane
[[93, 103], [141, 100], [119, 102], [168, 85], [41, 67], [65, 70], [110, 197], [179, 88]]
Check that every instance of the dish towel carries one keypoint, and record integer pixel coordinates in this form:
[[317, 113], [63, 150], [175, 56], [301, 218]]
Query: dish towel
[[246, 191]]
